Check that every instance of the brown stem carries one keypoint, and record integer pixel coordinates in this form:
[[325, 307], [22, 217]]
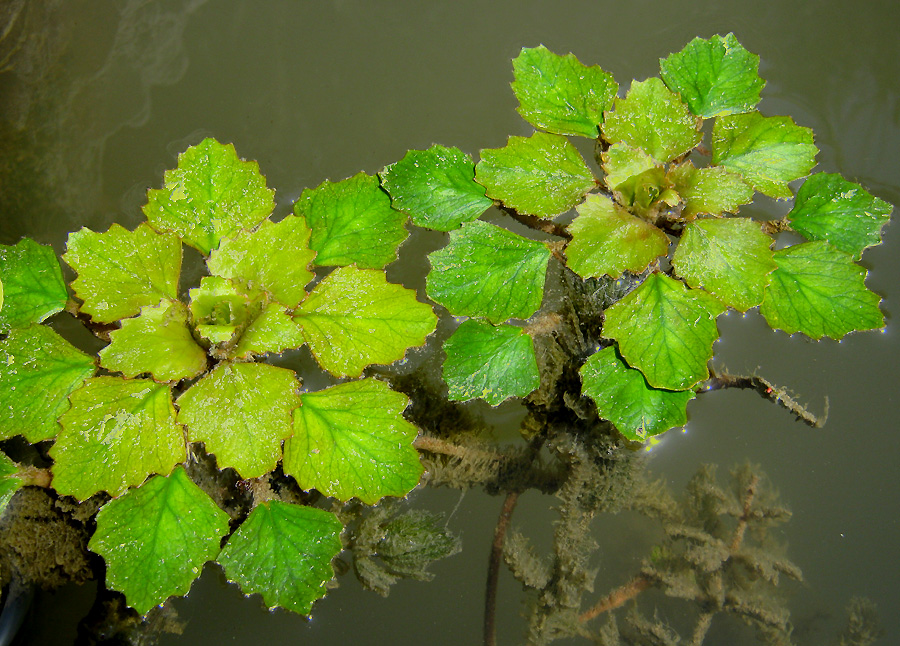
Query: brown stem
[[539, 224], [490, 597], [767, 390], [617, 597]]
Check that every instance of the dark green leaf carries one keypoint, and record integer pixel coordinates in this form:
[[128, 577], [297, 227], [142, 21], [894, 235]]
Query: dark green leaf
[[283, 552], [488, 271], [38, 370], [819, 291], [436, 187], [31, 284], [490, 362], [625, 398], [828, 207]]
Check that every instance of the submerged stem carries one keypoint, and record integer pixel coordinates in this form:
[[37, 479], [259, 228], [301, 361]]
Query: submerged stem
[[617, 597], [490, 597]]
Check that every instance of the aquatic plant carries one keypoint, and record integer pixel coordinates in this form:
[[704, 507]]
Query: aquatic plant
[[191, 445]]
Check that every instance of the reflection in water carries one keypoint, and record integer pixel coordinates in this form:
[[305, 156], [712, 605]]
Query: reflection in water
[[53, 128]]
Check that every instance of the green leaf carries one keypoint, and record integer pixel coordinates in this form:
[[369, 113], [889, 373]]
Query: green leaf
[[272, 331], [121, 271], [714, 77], [351, 440], [729, 257], [712, 190], [625, 398], [352, 222], [768, 152], [155, 539], [355, 318], [819, 291], [559, 94], [607, 240], [117, 432], [489, 362], [621, 162], [436, 187], [274, 258], [38, 370], [219, 309], [651, 117], [828, 207], [157, 341], [666, 331], [10, 482], [33, 283], [283, 552], [242, 412], [488, 271], [211, 195], [541, 175]]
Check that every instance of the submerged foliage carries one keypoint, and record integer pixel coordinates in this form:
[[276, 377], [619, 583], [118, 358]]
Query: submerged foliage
[[190, 366]]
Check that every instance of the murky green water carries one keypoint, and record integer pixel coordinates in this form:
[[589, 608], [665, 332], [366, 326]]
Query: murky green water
[[101, 96]]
